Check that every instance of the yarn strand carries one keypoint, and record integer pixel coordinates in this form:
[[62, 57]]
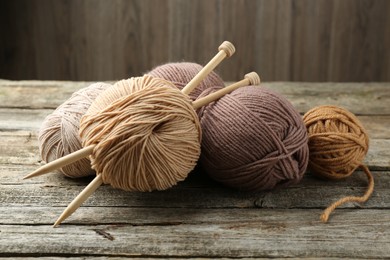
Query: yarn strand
[[325, 215]]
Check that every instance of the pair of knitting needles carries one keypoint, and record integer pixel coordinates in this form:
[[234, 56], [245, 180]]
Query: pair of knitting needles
[[226, 49]]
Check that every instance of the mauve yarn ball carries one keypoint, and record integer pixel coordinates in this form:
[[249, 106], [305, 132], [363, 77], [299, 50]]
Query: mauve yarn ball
[[253, 139], [180, 73]]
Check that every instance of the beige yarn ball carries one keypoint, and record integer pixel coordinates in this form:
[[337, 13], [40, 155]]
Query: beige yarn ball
[[59, 133], [146, 134]]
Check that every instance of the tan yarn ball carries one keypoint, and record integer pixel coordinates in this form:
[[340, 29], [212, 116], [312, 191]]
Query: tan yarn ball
[[338, 141], [146, 134]]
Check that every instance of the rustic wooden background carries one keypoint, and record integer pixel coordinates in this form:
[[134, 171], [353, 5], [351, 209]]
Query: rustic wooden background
[[289, 40]]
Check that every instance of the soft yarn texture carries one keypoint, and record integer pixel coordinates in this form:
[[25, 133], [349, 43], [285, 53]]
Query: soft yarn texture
[[181, 73], [253, 139], [146, 134], [59, 132], [338, 141]]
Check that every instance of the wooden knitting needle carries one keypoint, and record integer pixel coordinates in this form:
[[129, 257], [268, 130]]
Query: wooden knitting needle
[[226, 49], [83, 196], [251, 78], [61, 162]]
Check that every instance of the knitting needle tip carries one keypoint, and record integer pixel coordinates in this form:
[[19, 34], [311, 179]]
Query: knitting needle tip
[[225, 50], [251, 78], [83, 196], [61, 162], [33, 174]]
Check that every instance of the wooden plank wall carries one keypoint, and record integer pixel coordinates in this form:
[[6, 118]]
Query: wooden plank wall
[[283, 40]]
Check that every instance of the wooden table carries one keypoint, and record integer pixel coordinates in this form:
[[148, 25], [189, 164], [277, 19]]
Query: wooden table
[[198, 218]]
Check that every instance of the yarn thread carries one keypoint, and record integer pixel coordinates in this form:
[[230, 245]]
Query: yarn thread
[[253, 139], [338, 144], [59, 133], [146, 134], [370, 189]]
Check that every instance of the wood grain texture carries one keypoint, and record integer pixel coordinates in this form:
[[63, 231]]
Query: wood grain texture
[[356, 34], [359, 98], [198, 218], [198, 194], [278, 234], [292, 40]]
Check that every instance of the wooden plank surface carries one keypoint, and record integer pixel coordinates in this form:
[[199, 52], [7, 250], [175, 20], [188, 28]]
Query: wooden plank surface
[[300, 235], [359, 98], [198, 218]]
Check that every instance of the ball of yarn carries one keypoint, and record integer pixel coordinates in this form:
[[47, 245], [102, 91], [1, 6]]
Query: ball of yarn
[[59, 133], [146, 134], [338, 141], [253, 139], [181, 73]]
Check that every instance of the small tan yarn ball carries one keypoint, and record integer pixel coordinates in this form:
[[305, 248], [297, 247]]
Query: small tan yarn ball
[[338, 141], [146, 134]]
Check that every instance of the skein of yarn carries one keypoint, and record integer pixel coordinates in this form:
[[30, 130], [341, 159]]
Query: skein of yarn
[[145, 132], [180, 73], [338, 144], [253, 139], [59, 133]]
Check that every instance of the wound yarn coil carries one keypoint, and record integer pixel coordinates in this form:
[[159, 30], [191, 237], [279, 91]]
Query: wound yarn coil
[[59, 133], [338, 141], [253, 139], [146, 134]]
